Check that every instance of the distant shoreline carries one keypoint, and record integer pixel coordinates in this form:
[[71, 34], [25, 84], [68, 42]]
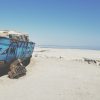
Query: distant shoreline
[[69, 47]]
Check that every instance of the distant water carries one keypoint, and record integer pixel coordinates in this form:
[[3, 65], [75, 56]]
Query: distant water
[[70, 47]]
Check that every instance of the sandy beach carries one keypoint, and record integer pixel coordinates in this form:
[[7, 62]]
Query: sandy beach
[[56, 74]]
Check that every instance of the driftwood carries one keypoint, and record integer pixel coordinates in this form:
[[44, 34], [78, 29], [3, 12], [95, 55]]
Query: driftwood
[[92, 61]]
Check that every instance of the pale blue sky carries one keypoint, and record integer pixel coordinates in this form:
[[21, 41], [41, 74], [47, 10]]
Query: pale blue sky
[[61, 22]]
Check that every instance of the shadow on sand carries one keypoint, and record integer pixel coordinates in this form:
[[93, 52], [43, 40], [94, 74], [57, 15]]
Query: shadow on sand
[[4, 71]]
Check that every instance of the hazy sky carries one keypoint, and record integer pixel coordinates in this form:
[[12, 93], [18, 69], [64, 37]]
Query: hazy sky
[[61, 22]]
